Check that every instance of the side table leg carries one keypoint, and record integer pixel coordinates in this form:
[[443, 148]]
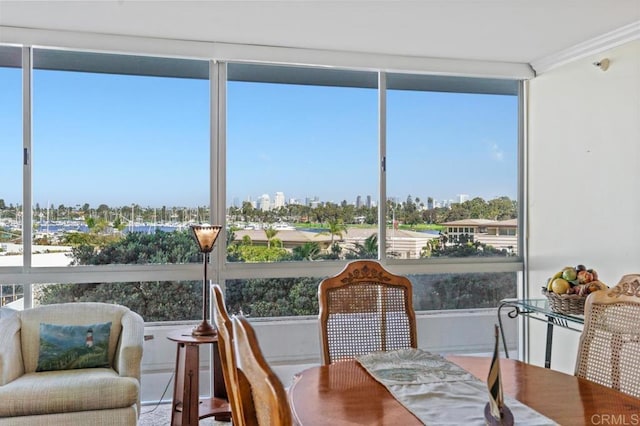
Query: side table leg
[[504, 342], [186, 389], [547, 354]]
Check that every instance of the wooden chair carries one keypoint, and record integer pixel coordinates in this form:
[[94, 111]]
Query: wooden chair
[[364, 309], [269, 399], [232, 377], [609, 351]]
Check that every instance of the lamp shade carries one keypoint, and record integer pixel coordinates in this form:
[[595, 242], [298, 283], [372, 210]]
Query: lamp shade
[[206, 236]]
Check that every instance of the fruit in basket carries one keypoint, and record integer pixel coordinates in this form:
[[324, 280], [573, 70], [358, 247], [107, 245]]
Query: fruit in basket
[[569, 274], [581, 289], [596, 285], [588, 288], [585, 277], [578, 281], [560, 286]]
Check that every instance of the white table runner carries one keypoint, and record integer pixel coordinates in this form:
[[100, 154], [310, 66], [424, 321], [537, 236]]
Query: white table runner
[[438, 391]]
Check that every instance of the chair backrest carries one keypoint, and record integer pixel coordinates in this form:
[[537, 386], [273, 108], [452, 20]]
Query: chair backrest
[[609, 351], [269, 398], [227, 352], [363, 309]]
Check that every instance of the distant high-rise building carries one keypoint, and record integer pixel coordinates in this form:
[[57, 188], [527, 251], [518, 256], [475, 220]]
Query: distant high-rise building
[[358, 201], [430, 203], [369, 201], [279, 200], [312, 201], [462, 198], [264, 202]]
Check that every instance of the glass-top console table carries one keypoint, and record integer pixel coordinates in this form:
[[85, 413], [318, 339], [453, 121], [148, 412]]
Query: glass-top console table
[[538, 309]]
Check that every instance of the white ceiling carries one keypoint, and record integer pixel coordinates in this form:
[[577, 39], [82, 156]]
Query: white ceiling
[[521, 31]]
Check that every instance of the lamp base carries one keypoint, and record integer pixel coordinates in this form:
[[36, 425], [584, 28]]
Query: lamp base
[[204, 329]]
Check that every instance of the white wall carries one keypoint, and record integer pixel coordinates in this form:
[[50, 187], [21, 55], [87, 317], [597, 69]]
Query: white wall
[[583, 177]]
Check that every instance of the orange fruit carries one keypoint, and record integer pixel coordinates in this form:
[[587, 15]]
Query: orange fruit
[[560, 286]]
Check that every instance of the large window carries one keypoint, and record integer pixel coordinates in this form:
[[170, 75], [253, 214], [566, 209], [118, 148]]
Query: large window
[[307, 168], [116, 151], [452, 159], [302, 175], [11, 158]]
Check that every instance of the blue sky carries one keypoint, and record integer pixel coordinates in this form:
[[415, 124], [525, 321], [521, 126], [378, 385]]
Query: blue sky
[[118, 140]]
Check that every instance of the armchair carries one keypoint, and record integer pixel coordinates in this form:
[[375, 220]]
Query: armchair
[[84, 396]]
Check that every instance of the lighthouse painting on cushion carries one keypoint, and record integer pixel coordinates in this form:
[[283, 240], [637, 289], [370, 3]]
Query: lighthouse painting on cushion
[[89, 339]]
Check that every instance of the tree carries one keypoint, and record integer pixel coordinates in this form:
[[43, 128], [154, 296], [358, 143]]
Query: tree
[[118, 224], [154, 300], [463, 291], [273, 296], [307, 251], [91, 223], [464, 247], [367, 250], [335, 228], [247, 211], [270, 233]]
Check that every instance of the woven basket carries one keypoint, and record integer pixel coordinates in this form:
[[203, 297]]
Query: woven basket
[[571, 304]]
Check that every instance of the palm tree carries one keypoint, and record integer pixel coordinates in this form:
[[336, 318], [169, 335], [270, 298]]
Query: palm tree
[[335, 228], [307, 251], [368, 249], [270, 233], [231, 236]]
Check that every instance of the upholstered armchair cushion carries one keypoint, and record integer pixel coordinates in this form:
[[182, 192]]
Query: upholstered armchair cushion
[[67, 391], [93, 396], [11, 366]]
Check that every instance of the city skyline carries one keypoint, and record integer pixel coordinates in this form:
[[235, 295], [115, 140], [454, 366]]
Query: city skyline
[[121, 139], [367, 200], [309, 201]]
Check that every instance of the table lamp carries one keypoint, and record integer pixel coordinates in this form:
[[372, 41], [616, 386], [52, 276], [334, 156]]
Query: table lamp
[[205, 236]]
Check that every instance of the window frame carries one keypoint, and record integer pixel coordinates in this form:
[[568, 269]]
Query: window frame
[[219, 269]]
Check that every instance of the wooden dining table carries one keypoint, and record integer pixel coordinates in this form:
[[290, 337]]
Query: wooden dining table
[[344, 393]]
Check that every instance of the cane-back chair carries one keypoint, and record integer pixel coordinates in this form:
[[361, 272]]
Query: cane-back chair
[[232, 377], [609, 351], [363, 309], [269, 399]]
